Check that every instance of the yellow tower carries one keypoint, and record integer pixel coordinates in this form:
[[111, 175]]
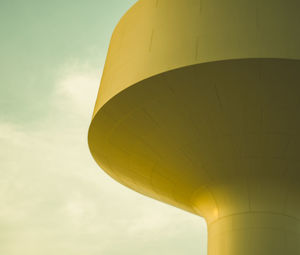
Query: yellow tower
[[199, 107]]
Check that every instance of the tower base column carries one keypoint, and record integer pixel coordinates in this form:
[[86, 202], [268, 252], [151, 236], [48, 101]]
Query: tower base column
[[254, 233]]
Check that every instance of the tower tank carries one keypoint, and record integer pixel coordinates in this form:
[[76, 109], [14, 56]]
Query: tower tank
[[199, 107]]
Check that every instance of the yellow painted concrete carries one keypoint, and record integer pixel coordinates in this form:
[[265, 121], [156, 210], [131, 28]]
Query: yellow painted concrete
[[199, 107]]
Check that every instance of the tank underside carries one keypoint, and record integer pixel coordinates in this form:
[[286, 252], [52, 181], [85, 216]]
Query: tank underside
[[215, 139]]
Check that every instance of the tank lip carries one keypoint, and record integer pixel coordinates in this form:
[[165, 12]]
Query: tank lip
[[139, 82], [177, 68]]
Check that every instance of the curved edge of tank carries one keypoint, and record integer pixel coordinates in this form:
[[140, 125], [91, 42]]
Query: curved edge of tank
[[104, 166]]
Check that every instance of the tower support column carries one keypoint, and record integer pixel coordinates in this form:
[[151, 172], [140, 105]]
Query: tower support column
[[254, 233]]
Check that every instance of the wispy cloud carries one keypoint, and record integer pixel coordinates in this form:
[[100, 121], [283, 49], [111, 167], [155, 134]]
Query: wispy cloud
[[56, 200]]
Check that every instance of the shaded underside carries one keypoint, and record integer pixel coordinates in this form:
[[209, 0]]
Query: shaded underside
[[215, 139]]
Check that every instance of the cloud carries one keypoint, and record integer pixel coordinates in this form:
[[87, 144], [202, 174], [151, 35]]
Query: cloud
[[77, 87], [56, 200]]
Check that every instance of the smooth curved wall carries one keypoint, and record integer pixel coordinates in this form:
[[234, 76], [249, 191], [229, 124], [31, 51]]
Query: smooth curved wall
[[156, 36]]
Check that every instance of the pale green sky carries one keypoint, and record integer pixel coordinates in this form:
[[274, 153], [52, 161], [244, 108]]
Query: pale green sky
[[54, 198]]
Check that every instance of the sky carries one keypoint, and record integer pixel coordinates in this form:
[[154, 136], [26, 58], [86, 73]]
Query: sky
[[54, 197]]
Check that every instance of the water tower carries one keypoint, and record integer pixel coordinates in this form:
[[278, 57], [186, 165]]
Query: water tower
[[199, 107]]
